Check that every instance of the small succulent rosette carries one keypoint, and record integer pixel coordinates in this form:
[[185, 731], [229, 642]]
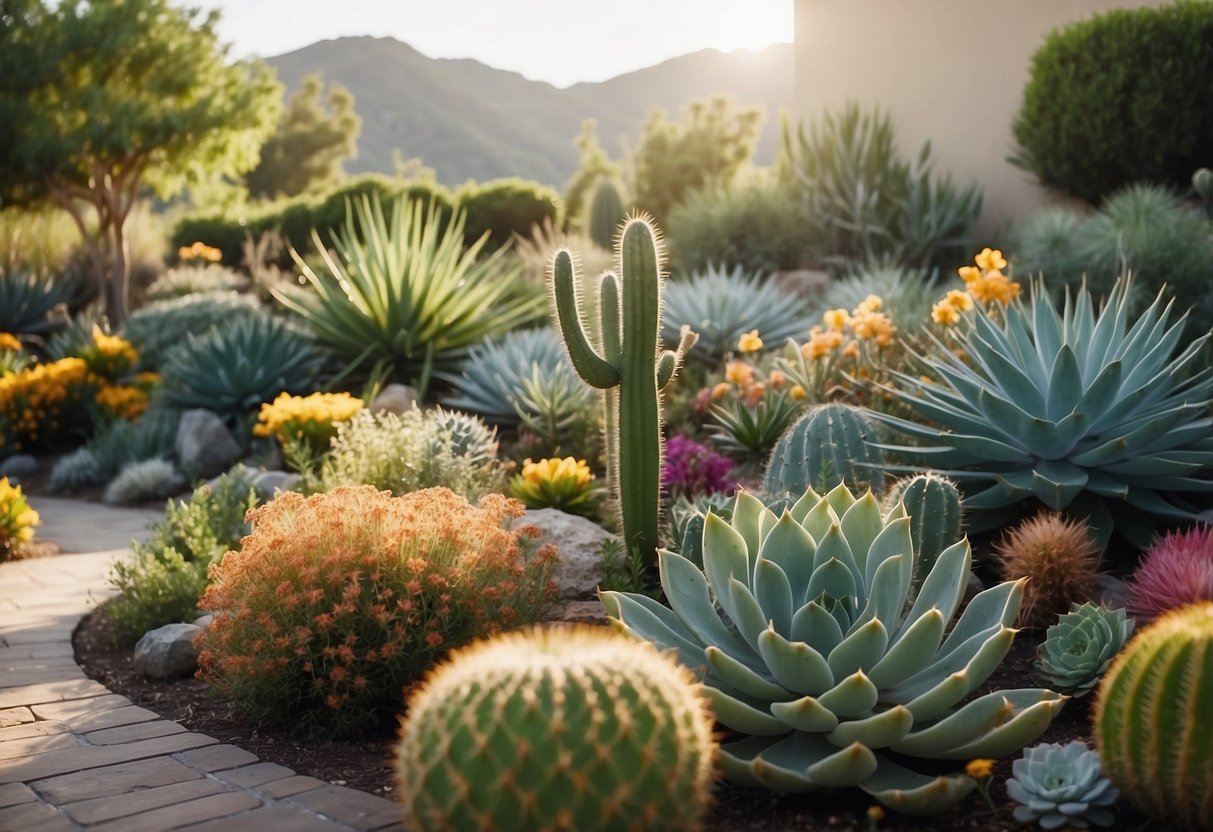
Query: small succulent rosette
[[1080, 646], [1060, 786]]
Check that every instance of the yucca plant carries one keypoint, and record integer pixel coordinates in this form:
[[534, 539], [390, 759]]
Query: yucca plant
[[403, 297], [1081, 410], [26, 302], [721, 305], [801, 630], [232, 371]]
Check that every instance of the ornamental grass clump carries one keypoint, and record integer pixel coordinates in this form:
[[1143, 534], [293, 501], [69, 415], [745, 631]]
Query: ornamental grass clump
[[336, 601], [17, 519], [1177, 570], [1058, 558]]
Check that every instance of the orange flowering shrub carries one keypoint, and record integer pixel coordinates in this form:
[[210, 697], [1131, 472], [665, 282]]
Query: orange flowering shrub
[[41, 404], [843, 354], [336, 601]]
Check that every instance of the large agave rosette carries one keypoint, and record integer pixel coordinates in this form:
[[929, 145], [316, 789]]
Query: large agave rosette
[[798, 624]]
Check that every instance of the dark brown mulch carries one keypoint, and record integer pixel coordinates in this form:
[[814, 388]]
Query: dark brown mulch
[[366, 764]]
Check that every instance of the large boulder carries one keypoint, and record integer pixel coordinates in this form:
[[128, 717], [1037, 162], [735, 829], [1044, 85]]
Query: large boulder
[[269, 484], [395, 398], [579, 543], [167, 652], [204, 445]]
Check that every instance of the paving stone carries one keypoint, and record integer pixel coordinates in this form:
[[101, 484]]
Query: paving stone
[[86, 757], [290, 786], [101, 809], [255, 775], [358, 809], [131, 733], [183, 814], [40, 635], [40, 744], [277, 818], [51, 692], [33, 664], [116, 779], [217, 758], [110, 718], [39, 675], [15, 716], [31, 729], [35, 816], [76, 708], [26, 652], [15, 793]]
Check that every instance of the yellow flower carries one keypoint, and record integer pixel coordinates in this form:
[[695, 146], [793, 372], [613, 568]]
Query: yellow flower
[[851, 350], [200, 251], [286, 415], [875, 813], [797, 393], [749, 342], [721, 390], [944, 314], [821, 344], [961, 301], [114, 346], [739, 373], [874, 326], [835, 319], [990, 260], [980, 769], [994, 287], [8, 341], [969, 273], [869, 304], [124, 402], [555, 470]]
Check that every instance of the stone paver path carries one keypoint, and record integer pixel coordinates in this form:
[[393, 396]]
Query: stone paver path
[[74, 756]]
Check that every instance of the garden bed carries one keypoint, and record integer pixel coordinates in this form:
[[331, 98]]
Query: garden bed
[[365, 764]]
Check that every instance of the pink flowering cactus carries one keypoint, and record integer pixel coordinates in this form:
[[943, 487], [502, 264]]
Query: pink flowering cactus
[[1177, 570]]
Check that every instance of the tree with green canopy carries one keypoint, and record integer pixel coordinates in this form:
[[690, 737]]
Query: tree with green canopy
[[310, 144], [103, 99]]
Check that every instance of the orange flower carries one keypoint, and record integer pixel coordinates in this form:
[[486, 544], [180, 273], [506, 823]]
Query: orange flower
[[739, 373], [990, 260], [749, 342]]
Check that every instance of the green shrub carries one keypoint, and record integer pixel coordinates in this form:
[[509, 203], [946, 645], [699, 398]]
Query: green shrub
[[414, 450], [161, 325], [232, 370], [115, 446], [1119, 98], [192, 279], [756, 226], [162, 583], [505, 207], [336, 601], [147, 479], [329, 214]]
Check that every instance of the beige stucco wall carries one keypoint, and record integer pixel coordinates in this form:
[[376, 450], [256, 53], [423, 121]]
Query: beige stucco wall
[[948, 71]]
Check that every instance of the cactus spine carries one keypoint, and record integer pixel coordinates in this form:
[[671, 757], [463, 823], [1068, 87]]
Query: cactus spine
[[827, 446], [562, 729], [933, 505], [606, 211], [1153, 716], [624, 367]]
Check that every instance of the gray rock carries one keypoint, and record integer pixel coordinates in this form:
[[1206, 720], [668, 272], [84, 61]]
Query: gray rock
[[204, 445], [204, 621], [580, 612], [1110, 591], [579, 544], [395, 398], [18, 465], [167, 652], [268, 484]]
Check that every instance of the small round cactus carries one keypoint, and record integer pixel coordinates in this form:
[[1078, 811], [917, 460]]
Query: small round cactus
[[1153, 716], [557, 729], [1058, 557], [932, 503], [1061, 786], [1177, 570], [1081, 645]]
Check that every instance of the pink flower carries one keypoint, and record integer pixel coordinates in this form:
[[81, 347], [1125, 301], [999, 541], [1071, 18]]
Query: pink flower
[[1177, 570]]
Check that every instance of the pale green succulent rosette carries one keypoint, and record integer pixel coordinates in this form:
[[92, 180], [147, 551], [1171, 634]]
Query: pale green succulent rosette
[[799, 626], [1080, 646]]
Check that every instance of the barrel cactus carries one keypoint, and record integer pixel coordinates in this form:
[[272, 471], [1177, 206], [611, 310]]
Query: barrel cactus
[[1153, 716], [1080, 646], [933, 505], [825, 666], [1083, 410], [559, 729], [830, 444]]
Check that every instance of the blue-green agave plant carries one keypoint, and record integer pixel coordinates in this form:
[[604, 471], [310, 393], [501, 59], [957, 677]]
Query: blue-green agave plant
[[801, 629], [1082, 410]]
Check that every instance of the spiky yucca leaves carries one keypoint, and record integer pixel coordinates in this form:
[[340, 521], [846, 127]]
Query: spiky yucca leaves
[[1079, 410], [573, 729], [825, 665], [1058, 558], [1081, 645], [489, 381], [1153, 716]]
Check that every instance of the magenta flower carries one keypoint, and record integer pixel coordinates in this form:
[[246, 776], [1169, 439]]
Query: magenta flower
[[1177, 570], [691, 468]]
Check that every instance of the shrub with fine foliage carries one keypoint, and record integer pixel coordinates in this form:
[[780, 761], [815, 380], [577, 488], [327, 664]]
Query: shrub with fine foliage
[[336, 601]]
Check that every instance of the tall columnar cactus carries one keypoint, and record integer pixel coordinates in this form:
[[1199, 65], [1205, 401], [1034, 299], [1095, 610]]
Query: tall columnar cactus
[[830, 444], [627, 366], [572, 729], [606, 210], [933, 505], [1152, 722]]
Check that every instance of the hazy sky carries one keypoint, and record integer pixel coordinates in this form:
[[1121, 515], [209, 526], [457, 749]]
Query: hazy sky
[[559, 41]]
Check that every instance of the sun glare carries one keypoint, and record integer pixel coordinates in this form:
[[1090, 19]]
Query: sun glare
[[753, 24]]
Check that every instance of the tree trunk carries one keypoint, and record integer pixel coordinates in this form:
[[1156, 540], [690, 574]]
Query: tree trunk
[[117, 295]]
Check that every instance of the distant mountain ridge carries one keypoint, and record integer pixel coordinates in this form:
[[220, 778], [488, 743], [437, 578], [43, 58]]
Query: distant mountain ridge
[[467, 120]]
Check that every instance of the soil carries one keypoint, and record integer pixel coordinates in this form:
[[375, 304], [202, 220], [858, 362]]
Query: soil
[[366, 764]]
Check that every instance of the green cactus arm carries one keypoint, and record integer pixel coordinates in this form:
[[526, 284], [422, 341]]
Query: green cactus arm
[[608, 315], [670, 360], [595, 370]]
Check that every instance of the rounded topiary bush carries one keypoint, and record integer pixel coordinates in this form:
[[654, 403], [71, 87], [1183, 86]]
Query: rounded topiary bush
[[336, 601], [505, 207], [1121, 97]]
